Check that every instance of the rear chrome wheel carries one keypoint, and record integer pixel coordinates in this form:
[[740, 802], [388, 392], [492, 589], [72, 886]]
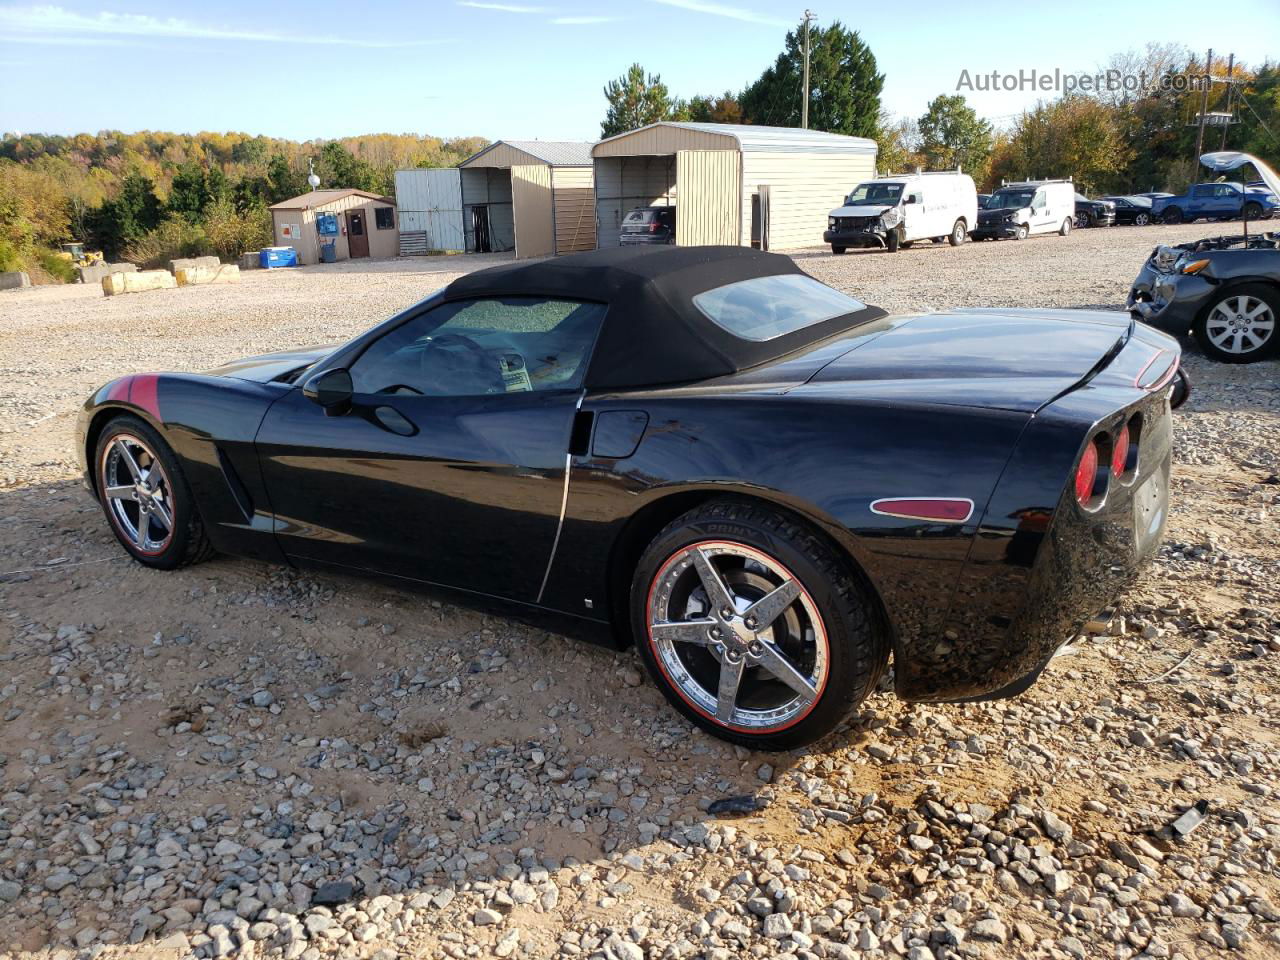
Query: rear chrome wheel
[[737, 636], [1241, 326], [1141, 220], [138, 494], [753, 627]]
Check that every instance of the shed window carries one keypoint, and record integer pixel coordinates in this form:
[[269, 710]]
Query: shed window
[[384, 218]]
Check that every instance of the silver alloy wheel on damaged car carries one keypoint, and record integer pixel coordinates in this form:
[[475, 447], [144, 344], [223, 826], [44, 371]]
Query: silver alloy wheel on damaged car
[[737, 636], [138, 494], [1241, 327]]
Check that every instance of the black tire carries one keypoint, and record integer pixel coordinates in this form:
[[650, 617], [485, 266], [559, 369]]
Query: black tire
[[1205, 329], [856, 641], [837, 249], [1252, 211], [906, 244], [1181, 389], [1065, 228], [1171, 215], [1083, 220], [893, 240], [1022, 232], [188, 542], [959, 233]]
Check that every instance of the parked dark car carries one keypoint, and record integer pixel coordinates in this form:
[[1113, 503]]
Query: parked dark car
[[1223, 290], [1094, 213], [766, 484], [982, 200], [645, 225], [1132, 210]]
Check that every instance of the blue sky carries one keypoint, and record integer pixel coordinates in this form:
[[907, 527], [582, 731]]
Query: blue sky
[[525, 68]]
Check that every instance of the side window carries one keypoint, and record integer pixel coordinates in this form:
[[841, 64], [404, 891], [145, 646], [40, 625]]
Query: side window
[[1204, 190], [483, 347], [1038, 201], [384, 218], [1226, 190]]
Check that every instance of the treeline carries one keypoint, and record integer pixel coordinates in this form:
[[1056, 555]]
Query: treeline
[[1134, 134], [151, 196]]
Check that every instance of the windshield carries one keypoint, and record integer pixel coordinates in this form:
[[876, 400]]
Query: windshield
[[1010, 199], [764, 308], [874, 193]]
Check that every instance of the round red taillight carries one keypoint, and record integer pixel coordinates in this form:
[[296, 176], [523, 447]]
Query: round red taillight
[[1120, 452], [1087, 473]]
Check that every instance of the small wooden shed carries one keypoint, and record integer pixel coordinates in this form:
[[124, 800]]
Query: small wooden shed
[[359, 224], [532, 196]]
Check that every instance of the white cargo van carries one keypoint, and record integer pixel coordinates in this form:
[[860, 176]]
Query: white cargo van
[[894, 212], [1021, 210]]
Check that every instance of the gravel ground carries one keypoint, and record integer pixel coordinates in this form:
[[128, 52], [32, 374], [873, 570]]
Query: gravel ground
[[243, 760]]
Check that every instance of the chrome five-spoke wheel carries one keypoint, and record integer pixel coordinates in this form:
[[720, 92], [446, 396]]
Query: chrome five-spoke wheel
[[138, 494], [737, 636]]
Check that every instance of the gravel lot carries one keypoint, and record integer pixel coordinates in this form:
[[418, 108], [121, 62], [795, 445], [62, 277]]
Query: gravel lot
[[242, 760]]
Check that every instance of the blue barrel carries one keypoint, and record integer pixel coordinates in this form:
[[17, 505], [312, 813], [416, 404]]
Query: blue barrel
[[329, 251]]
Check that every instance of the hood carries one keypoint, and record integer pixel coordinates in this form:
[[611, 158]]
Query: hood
[[1224, 160], [999, 359], [865, 211], [272, 366]]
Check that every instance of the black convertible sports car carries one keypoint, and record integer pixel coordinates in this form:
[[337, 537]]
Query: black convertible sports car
[[766, 484]]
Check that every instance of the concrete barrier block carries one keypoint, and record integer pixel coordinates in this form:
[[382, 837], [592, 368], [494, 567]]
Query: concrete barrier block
[[114, 283], [13, 279], [95, 273], [183, 263], [251, 260], [222, 273]]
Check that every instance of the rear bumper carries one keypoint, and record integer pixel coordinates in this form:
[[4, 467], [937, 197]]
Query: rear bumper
[[1042, 566]]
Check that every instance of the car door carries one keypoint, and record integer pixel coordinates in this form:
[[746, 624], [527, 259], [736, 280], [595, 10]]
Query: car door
[[1227, 201], [1200, 201], [449, 465], [1040, 212]]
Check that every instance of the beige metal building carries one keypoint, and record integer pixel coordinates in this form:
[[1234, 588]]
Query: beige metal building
[[531, 196], [366, 224], [767, 187]]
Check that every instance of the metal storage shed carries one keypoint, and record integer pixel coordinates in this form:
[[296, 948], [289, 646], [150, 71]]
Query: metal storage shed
[[430, 203], [533, 196], [768, 187]]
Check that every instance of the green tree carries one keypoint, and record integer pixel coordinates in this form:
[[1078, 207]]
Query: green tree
[[897, 142], [952, 134], [1075, 136], [339, 169], [189, 191], [283, 180], [722, 109], [844, 94], [133, 213], [635, 100]]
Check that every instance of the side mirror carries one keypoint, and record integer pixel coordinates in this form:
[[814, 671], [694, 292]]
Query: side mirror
[[912, 198], [331, 389]]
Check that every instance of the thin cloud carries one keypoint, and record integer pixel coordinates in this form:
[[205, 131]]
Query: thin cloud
[[50, 24], [501, 7], [724, 10], [579, 21]]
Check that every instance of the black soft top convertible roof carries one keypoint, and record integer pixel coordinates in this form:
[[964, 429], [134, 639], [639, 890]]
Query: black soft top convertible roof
[[653, 334]]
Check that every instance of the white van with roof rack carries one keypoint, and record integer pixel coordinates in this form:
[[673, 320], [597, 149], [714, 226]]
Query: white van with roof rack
[[895, 211], [1024, 209]]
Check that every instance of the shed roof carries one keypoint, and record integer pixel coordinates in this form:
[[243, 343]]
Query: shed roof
[[748, 139], [555, 153], [318, 198]]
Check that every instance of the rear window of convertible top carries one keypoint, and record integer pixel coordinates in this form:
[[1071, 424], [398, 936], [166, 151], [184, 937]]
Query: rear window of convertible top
[[764, 308]]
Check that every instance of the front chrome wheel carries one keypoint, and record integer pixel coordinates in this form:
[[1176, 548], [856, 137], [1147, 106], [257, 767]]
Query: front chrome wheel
[[138, 494], [1240, 325], [737, 636]]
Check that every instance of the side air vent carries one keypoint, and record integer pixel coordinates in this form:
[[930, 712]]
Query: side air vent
[[238, 491]]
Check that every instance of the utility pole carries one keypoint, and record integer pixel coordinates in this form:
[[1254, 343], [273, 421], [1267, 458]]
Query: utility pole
[[1204, 103], [804, 104], [1226, 121]]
